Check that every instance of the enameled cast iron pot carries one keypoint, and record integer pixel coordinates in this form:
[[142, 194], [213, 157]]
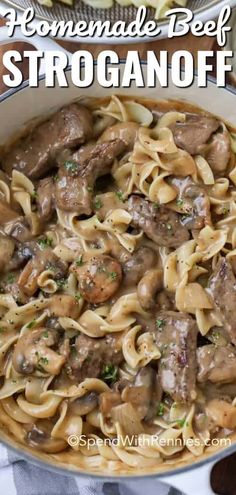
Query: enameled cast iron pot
[[19, 106]]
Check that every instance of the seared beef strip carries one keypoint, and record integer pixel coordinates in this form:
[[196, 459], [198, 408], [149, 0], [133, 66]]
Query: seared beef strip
[[35, 154], [194, 132], [176, 336], [93, 354], [217, 152], [76, 178], [139, 262], [222, 287], [216, 363], [159, 223], [45, 198]]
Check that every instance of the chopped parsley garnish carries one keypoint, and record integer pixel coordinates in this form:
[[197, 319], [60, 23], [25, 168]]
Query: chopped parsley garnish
[[119, 195], [160, 323], [109, 373], [77, 296], [34, 195], [180, 422], [161, 409], [71, 166], [156, 206], [89, 188], [61, 282], [55, 178], [97, 204], [79, 261], [45, 334], [225, 211], [10, 278], [215, 335], [44, 360], [45, 242], [30, 324], [113, 275], [179, 202]]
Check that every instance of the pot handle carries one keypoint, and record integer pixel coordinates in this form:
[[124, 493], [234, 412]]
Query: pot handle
[[40, 43], [193, 481]]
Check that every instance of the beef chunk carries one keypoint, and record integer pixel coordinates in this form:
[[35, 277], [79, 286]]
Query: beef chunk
[[194, 132], [217, 152], [93, 354], [176, 336], [222, 286], [216, 363], [34, 154], [159, 223], [77, 176], [45, 198], [139, 262]]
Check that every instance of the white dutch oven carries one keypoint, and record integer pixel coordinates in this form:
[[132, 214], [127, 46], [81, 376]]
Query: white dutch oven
[[19, 106]]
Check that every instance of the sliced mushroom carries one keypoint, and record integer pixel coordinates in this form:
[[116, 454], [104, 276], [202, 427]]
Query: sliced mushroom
[[145, 393], [84, 405], [7, 246], [149, 285], [99, 277], [134, 268], [39, 437], [33, 353]]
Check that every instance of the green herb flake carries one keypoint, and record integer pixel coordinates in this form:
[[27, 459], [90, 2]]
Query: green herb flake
[[97, 204], [156, 206], [113, 276], [225, 211], [31, 324], [89, 188], [109, 373], [2, 330], [45, 242], [161, 409], [61, 282], [120, 196], [34, 195], [55, 178], [179, 202], [160, 323], [71, 166], [78, 297], [43, 360], [79, 261], [10, 278], [180, 422], [45, 334]]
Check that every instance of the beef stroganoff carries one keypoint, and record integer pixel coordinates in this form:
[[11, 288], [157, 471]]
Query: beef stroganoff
[[118, 289]]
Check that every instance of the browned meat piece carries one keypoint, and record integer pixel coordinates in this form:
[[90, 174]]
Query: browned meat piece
[[23, 229], [216, 363], [41, 261], [222, 287], [7, 213], [127, 131], [34, 154], [45, 198], [73, 193], [92, 356], [134, 268], [194, 132], [22, 253], [39, 437], [99, 277], [7, 247], [77, 176], [176, 336], [63, 305], [158, 222], [217, 152], [194, 203]]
